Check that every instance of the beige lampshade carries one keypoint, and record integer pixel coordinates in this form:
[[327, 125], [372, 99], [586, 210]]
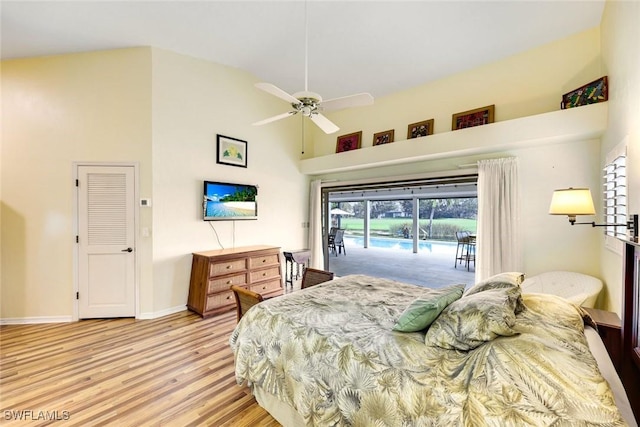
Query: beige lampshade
[[572, 201]]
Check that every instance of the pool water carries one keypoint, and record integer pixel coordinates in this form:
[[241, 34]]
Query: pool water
[[402, 244]]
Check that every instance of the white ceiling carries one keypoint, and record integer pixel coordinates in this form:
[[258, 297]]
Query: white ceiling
[[378, 47]]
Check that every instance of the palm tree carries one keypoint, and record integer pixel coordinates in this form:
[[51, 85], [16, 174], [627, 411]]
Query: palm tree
[[434, 204]]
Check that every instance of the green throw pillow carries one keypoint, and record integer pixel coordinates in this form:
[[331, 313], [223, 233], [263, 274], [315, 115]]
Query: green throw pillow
[[424, 310]]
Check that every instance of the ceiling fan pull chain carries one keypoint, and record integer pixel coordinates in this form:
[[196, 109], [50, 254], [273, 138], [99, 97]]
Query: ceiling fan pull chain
[[302, 118]]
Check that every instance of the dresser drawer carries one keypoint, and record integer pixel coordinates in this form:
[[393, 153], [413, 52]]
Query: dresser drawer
[[261, 261], [266, 287], [265, 274], [214, 272], [223, 284], [220, 268], [219, 300]]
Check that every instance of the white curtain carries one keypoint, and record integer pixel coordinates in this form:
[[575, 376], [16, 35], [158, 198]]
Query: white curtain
[[315, 225], [498, 247]]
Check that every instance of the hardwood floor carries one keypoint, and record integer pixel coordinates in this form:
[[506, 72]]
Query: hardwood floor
[[175, 370]]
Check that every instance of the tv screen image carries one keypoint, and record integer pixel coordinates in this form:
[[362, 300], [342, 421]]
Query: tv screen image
[[228, 201]]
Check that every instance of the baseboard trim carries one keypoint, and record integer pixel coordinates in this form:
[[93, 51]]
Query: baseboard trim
[[35, 320], [67, 319], [161, 313]]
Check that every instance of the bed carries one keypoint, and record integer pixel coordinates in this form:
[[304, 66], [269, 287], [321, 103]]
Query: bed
[[329, 355]]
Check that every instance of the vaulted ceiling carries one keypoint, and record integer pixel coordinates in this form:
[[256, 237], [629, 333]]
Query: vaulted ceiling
[[378, 47]]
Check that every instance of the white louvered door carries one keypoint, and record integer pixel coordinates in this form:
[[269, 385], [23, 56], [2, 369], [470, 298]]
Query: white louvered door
[[106, 241]]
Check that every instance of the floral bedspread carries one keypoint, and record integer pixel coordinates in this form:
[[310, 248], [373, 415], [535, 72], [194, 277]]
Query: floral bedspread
[[329, 352]]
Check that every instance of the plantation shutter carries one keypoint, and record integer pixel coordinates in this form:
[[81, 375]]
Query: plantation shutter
[[615, 194]]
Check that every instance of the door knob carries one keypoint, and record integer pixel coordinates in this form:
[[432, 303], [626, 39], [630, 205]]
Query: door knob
[[128, 250]]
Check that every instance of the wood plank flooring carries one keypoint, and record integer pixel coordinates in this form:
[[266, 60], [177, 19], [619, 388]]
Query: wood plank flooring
[[177, 370]]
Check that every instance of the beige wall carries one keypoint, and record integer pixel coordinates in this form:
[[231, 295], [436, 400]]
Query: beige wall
[[193, 100], [156, 108], [58, 110], [621, 58], [522, 85]]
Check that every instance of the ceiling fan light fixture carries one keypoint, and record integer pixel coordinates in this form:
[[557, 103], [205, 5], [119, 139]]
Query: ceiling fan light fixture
[[307, 95], [310, 104]]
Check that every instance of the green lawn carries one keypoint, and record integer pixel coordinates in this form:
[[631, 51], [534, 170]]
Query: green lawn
[[442, 228]]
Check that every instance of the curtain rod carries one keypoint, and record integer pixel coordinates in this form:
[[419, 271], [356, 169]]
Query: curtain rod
[[475, 164], [452, 173], [468, 165]]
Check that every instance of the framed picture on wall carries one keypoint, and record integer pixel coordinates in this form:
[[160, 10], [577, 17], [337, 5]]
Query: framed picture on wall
[[591, 93], [423, 128], [476, 117], [383, 137], [231, 151], [349, 142]]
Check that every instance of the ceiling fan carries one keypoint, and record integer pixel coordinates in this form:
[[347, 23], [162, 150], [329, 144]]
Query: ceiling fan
[[310, 104]]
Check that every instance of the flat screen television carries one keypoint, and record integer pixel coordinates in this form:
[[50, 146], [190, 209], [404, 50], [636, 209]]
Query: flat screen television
[[228, 201]]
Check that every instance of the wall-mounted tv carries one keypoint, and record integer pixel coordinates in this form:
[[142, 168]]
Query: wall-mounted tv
[[227, 201]]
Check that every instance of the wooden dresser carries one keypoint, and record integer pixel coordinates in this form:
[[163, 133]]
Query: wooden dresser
[[213, 272]]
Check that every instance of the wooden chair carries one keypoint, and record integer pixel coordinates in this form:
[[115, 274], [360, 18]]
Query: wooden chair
[[245, 299], [314, 276]]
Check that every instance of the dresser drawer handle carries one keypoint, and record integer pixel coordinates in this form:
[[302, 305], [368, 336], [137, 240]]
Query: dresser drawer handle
[[264, 274], [264, 287], [229, 267], [264, 260], [229, 282], [228, 297]]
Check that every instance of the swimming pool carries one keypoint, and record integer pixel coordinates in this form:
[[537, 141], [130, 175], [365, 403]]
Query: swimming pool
[[401, 244]]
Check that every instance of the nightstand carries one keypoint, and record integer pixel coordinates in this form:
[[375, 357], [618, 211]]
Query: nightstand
[[610, 330]]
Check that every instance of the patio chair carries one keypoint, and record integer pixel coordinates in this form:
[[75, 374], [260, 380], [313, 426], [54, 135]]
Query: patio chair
[[471, 251], [466, 249], [245, 299], [313, 276], [331, 237], [462, 238], [337, 243]]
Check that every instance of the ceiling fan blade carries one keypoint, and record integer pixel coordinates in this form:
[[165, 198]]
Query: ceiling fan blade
[[357, 100], [323, 123], [276, 91], [274, 118]]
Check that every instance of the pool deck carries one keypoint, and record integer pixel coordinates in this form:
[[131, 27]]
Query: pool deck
[[433, 268]]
